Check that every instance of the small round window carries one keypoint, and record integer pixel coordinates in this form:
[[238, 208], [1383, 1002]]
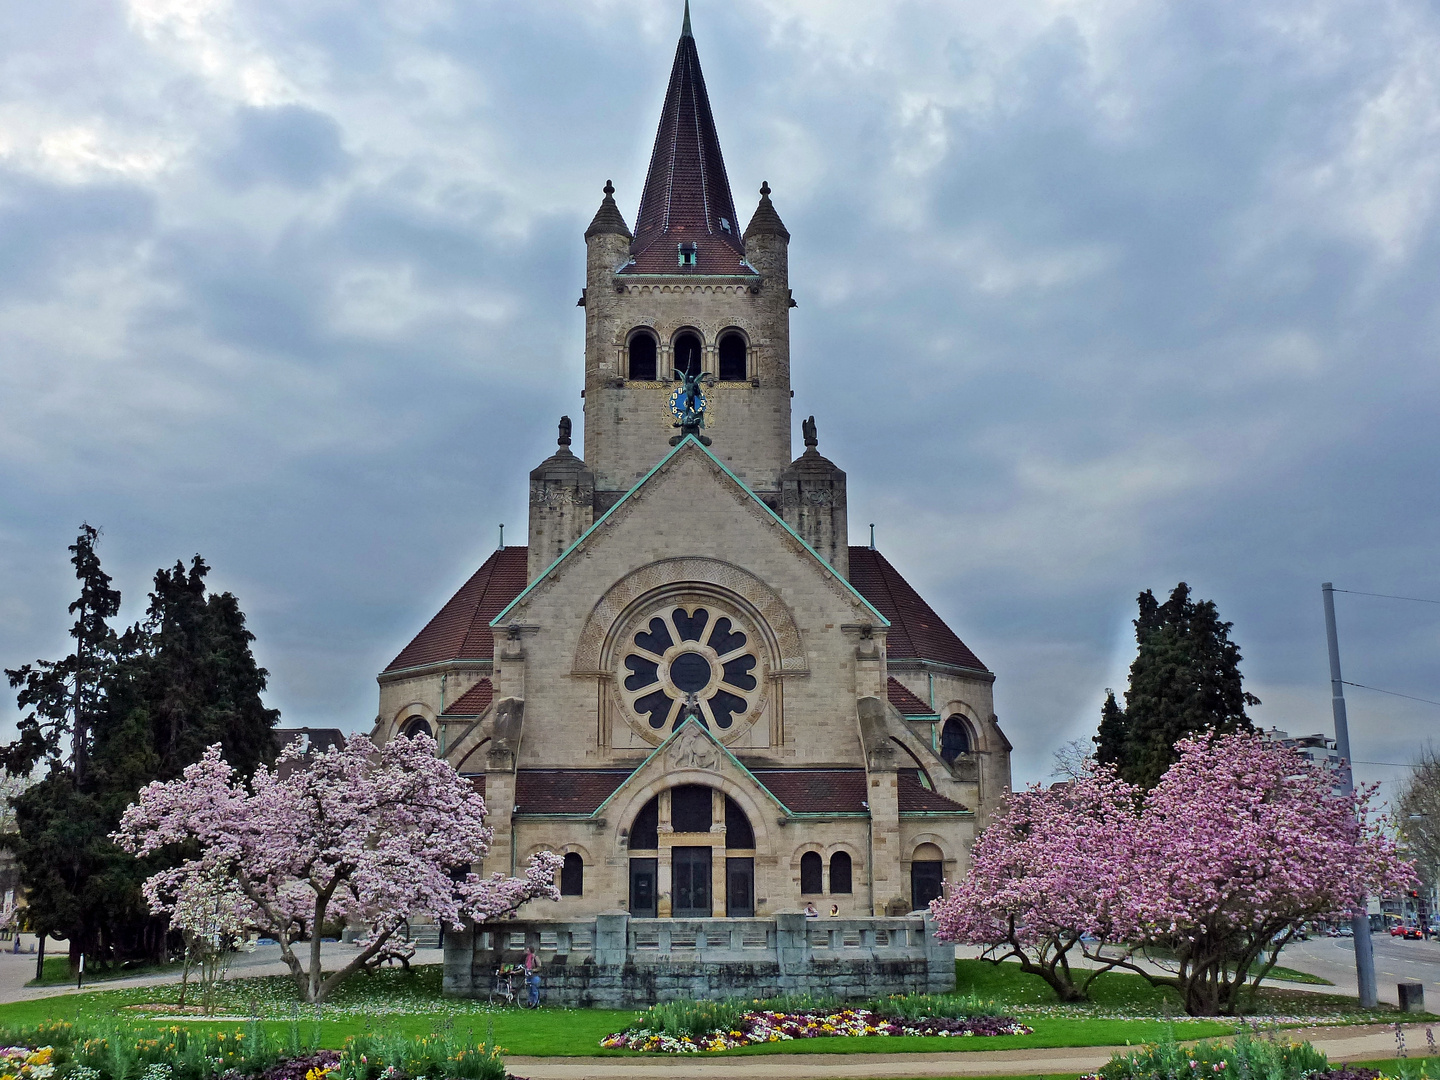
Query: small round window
[[688, 661]]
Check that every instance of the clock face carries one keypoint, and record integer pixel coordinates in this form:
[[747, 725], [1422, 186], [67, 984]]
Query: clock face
[[701, 402]]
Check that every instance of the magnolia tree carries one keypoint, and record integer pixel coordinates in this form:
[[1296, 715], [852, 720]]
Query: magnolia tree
[[1042, 878], [1238, 846], [212, 915], [373, 836]]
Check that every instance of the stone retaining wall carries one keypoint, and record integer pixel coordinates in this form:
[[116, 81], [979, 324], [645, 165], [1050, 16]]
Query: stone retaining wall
[[614, 961]]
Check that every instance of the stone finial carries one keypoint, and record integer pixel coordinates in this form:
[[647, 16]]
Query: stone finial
[[807, 428], [608, 218], [564, 439], [766, 220]]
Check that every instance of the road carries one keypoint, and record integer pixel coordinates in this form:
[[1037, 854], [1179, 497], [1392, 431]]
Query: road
[[1396, 961]]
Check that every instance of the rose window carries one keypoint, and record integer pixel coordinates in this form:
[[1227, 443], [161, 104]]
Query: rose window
[[691, 662]]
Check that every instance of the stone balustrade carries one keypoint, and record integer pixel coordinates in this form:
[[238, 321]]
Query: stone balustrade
[[615, 961]]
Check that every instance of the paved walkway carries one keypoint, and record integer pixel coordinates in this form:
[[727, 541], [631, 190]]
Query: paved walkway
[[1340, 1044], [16, 969]]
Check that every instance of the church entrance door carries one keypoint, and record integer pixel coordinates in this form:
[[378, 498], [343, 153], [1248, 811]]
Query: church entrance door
[[740, 888], [643, 895], [690, 871]]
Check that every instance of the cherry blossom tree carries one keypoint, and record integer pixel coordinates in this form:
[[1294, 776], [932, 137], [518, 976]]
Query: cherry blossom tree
[[1240, 844], [1042, 878], [373, 836]]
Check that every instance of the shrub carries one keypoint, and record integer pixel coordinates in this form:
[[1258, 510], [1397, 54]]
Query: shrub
[[1246, 1059], [692, 1018], [388, 1055]]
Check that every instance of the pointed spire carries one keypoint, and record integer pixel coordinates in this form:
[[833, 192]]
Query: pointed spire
[[766, 220], [608, 218], [687, 197]]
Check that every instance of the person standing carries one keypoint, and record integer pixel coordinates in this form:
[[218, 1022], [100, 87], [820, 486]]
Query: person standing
[[532, 975]]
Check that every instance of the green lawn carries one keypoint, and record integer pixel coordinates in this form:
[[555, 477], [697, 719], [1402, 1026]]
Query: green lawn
[[58, 973], [1126, 1009]]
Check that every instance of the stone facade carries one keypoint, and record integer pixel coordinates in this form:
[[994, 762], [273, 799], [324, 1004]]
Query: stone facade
[[687, 681]]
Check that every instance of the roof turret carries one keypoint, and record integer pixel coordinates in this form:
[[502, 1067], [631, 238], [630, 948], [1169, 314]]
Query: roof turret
[[765, 219], [687, 221], [608, 218]]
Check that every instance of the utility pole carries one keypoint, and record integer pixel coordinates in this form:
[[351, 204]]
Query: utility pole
[[1360, 922]]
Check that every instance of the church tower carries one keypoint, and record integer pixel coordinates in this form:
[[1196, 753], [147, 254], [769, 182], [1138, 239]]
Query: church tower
[[687, 291], [686, 681]]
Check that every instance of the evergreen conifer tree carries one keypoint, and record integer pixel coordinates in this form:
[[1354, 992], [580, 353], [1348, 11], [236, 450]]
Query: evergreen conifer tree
[[1185, 679], [117, 713]]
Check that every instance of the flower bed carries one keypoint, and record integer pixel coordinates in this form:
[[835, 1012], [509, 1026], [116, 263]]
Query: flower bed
[[26, 1063], [767, 1027]]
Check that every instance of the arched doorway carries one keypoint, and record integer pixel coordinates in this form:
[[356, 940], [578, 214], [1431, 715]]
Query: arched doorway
[[927, 876]]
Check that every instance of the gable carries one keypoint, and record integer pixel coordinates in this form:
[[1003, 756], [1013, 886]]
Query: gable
[[690, 497]]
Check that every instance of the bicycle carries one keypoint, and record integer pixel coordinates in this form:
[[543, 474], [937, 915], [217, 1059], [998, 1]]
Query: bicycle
[[507, 984]]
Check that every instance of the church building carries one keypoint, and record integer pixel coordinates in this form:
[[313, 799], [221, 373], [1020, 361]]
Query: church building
[[687, 681]]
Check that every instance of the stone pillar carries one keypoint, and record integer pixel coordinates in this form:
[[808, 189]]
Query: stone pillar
[[663, 880], [939, 960], [885, 855], [500, 809], [459, 979], [612, 938], [792, 950], [719, 880]]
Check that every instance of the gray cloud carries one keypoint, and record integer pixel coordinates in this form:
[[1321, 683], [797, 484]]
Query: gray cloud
[[1134, 295]]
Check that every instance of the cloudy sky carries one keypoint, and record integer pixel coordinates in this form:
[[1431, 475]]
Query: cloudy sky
[[1095, 296]]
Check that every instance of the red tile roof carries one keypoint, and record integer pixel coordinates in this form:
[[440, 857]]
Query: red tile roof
[[908, 704], [474, 701], [687, 198], [916, 632], [565, 791], [816, 791], [915, 797], [462, 629]]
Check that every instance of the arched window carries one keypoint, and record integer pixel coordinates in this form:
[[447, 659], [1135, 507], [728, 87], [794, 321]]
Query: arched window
[[645, 829], [927, 873], [415, 725], [732, 358], [572, 875], [812, 871], [840, 872], [688, 352], [954, 738], [642, 356], [691, 808], [738, 833]]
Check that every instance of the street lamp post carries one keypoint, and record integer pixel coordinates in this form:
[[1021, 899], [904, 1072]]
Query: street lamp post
[[1360, 922]]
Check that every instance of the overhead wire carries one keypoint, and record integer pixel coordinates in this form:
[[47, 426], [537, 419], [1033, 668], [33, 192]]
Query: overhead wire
[[1388, 596], [1392, 693]]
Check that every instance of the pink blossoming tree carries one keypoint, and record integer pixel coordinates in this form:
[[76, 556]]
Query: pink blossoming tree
[[376, 836], [1042, 878], [1240, 844]]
